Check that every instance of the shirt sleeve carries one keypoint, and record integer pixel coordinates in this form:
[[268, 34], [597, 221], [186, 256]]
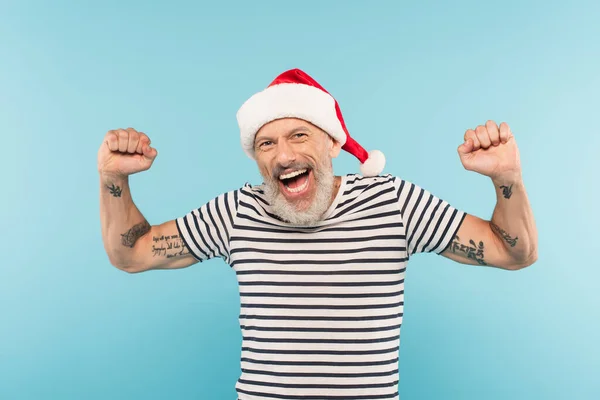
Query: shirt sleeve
[[430, 222], [206, 230]]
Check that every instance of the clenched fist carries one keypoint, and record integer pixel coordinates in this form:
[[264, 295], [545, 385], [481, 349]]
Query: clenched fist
[[125, 152], [491, 150]]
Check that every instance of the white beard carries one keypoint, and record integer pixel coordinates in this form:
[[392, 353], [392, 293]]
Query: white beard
[[287, 211]]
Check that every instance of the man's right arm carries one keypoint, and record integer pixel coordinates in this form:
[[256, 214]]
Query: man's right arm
[[132, 244]]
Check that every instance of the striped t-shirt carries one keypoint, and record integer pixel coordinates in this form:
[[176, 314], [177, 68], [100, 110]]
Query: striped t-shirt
[[322, 306]]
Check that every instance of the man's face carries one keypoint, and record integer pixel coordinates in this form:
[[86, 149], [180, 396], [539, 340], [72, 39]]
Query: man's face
[[294, 157]]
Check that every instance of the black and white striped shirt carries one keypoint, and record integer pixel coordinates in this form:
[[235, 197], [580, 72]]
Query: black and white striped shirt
[[321, 307]]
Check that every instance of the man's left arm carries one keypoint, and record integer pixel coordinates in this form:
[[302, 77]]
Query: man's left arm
[[509, 239]]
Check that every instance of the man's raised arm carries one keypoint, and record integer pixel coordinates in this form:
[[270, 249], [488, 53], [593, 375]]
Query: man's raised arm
[[132, 244], [509, 239]]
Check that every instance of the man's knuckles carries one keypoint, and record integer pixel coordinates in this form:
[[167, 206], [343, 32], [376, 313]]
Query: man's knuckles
[[483, 136], [126, 140], [470, 134], [134, 138], [112, 140]]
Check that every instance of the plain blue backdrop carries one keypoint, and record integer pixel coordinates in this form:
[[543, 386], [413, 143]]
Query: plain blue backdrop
[[410, 77]]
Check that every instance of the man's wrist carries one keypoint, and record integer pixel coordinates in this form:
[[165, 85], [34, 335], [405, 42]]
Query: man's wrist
[[109, 178], [506, 185], [514, 179]]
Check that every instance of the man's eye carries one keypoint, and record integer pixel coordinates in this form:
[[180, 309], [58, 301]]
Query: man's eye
[[299, 135], [265, 143]]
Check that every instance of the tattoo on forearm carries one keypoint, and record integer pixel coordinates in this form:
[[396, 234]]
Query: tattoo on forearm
[[504, 235], [474, 251], [506, 191], [114, 190], [169, 246], [137, 231]]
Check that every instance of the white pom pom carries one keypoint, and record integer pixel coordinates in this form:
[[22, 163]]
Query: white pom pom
[[374, 164]]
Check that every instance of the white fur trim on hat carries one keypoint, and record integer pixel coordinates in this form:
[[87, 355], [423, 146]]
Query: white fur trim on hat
[[288, 100]]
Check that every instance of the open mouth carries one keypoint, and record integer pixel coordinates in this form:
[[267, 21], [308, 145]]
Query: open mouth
[[295, 181]]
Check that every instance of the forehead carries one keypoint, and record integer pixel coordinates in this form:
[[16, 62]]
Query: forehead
[[284, 126]]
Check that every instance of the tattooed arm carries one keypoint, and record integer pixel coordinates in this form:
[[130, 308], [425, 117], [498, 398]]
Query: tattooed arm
[[507, 241], [132, 244]]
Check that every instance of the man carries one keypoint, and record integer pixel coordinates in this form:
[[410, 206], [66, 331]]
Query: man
[[320, 259]]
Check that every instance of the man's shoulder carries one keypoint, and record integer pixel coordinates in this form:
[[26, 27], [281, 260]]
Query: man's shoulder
[[251, 190], [249, 193], [356, 182]]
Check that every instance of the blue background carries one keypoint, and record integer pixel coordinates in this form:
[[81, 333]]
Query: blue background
[[410, 78]]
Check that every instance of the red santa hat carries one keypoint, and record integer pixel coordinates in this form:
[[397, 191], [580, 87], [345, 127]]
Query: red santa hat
[[294, 94]]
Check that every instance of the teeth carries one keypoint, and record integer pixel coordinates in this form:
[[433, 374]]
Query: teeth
[[292, 174], [298, 189]]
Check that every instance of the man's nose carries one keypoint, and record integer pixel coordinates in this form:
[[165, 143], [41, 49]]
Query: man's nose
[[285, 153]]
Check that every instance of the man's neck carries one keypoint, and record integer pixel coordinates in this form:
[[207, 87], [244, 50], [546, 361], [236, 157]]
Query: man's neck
[[337, 182]]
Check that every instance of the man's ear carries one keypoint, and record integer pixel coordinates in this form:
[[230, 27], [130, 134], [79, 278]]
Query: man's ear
[[334, 147]]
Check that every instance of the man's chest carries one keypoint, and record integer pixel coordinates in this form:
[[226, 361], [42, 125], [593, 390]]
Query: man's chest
[[352, 244]]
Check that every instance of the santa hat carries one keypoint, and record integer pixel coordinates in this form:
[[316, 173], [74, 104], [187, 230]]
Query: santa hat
[[294, 94]]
